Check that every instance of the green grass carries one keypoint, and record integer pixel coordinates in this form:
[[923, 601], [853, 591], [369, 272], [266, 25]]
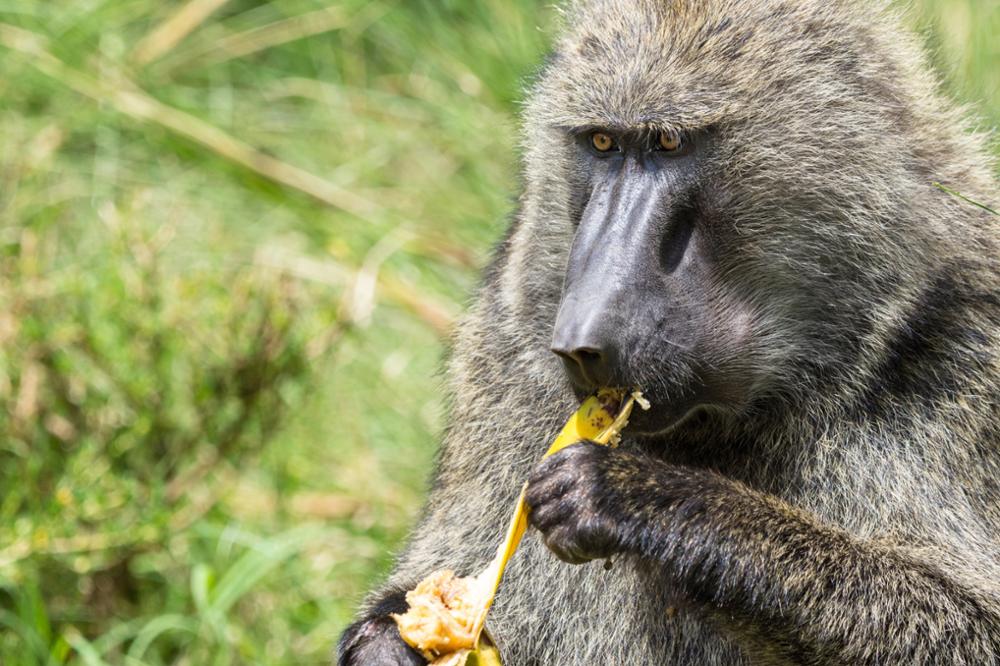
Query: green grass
[[213, 435]]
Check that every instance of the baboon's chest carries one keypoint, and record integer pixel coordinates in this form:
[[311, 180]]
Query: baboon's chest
[[550, 612]]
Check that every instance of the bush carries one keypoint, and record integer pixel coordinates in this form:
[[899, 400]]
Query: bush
[[124, 382]]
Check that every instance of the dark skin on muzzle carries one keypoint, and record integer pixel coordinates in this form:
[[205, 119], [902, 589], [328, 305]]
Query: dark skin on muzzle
[[636, 275]]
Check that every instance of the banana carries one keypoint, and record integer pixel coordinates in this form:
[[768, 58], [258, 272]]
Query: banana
[[447, 614]]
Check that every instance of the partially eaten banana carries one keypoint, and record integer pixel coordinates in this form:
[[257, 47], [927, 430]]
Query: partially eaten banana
[[446, 613], [443, 619]]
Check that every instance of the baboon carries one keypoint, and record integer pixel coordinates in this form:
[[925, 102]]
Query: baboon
[[731, 204]]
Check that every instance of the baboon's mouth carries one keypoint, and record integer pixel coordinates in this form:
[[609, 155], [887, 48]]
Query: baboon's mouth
[[661, 419], [663, 414]]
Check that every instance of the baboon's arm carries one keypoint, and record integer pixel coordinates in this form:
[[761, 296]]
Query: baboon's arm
[[772, 573]]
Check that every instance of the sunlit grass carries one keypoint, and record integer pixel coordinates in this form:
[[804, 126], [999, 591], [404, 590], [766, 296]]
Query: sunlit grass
[[133, 118]]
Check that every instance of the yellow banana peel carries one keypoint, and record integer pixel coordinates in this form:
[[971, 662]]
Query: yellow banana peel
[[447, 614]]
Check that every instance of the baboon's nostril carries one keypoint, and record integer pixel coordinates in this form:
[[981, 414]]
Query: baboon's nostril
[[587, 365]]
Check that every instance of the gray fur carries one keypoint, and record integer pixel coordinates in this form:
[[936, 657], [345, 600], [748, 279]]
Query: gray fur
[[872, 302]]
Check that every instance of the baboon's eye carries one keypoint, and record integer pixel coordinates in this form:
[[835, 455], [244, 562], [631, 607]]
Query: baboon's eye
[[602, 142], [671, 141]]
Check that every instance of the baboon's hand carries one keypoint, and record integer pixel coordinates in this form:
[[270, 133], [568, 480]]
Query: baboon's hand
[[577, 501], [376, 642]]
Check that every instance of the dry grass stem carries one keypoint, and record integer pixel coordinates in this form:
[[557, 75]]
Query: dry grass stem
[[438, 316], [129, 100], [261, 38], [170, 32]]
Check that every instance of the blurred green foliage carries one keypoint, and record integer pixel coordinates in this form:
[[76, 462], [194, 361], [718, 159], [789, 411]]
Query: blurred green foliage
[[232, 237]]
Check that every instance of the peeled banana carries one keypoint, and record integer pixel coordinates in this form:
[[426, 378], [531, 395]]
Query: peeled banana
[[447, 614]]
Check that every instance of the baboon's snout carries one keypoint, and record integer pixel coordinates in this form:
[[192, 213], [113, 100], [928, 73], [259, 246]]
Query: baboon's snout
[[588, 348]]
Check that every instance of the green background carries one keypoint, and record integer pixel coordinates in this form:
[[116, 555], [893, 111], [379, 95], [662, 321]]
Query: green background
[[233, 237]]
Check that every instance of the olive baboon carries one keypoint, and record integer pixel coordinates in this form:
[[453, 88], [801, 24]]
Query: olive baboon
[[731, 204]]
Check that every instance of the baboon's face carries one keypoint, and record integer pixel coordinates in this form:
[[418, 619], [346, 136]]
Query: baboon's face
[[643, 303], [716, 197]]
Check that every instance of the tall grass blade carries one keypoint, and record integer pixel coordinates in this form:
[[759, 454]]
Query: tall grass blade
[[170, 32]]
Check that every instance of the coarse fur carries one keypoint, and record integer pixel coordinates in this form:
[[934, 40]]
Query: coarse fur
[[847, 511]]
